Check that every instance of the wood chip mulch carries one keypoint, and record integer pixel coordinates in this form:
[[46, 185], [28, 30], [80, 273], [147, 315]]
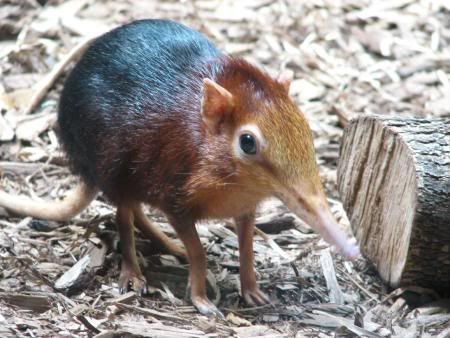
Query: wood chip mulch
[[347, 57]]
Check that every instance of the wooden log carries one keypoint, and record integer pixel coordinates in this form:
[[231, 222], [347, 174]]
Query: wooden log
[[394, 181]]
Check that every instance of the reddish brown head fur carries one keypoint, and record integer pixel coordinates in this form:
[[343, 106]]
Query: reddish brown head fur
[[259, 104], [281, 163]]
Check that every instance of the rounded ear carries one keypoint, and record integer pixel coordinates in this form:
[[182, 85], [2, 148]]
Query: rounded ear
[[217, 102], [285, 79]]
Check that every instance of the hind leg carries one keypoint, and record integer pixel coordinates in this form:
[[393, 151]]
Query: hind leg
[[151, 231], [131, 276]]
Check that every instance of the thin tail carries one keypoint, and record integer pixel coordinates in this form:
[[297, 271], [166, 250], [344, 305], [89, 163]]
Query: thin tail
[[75, 202]]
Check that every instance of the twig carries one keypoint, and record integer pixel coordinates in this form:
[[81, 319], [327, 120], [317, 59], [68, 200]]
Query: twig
[[88, 324], [359, 286], [32, 269], [150, 312], [273, 245], [445, 333], [47, 82], [249, 309], [329, 272], [342, 116], [268, 240]]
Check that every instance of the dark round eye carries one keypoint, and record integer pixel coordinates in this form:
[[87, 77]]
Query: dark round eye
[[247, 143]]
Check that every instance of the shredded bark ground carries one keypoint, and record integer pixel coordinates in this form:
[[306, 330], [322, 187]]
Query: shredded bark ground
[[347, 57]]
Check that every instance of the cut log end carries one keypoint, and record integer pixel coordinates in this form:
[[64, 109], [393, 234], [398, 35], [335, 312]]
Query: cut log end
[[394, 181]]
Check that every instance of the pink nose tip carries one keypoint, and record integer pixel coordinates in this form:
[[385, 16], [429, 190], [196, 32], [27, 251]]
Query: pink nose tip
[[351, 249]]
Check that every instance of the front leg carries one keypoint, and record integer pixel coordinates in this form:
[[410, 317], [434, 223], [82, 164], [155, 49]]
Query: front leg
[[197, 267], [245, 227]]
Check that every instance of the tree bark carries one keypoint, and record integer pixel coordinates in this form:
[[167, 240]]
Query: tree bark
[[394, 181]]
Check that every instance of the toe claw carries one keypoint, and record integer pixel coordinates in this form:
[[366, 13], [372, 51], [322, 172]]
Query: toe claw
[[249, 301], [255, 297], [132, 281], [207, 308]]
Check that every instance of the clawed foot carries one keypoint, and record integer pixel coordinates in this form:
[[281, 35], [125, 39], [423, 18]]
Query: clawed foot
[[255, 297], [131, 280], [206, 307]]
